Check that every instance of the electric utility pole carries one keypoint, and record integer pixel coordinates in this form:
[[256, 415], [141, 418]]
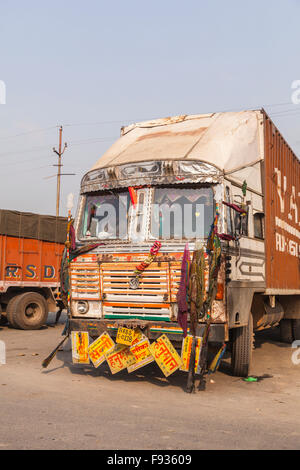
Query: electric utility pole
[[60, 153]]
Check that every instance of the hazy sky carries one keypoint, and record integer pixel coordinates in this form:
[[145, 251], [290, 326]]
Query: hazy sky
[[93, 66]]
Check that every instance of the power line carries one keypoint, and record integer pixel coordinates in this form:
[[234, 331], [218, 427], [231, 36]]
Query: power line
[[22, 161], [29, 132], [98, 139], [72, 143], [147, 119], [278, 104], [96, 123], [33, 149], [286, 113], [104, 122], [93, 141], [26, 170]]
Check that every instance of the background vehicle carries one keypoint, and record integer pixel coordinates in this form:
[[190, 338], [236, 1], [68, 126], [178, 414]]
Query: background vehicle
[[31, 247], [237, 162]]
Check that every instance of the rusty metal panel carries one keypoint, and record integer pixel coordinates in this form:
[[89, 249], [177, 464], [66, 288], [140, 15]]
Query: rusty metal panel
[[282, 211]]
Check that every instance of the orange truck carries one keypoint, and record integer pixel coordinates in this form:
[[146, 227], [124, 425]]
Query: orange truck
[[31, 247]]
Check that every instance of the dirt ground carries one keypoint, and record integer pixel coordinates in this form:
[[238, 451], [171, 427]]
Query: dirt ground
[[75, 407]]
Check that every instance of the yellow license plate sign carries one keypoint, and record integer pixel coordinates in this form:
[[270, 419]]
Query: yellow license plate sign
[[186, 353], [120, 358], [125, 336], [97, 350], [138, 336], [80, 345], [142, 354], [165, 355]]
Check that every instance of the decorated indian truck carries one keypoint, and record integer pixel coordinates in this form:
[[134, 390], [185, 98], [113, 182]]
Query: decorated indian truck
[[31, 247], [188, 226]]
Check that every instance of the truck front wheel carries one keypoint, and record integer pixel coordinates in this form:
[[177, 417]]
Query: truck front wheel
[[296, 329], [29, 311], [241, 349]]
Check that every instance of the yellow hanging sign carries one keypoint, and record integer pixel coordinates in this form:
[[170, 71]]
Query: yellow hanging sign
[[165, 355], [142, 354], [97, 350], [138, 336], [80, 344], [120, 358], [186, 353], [125, 336]]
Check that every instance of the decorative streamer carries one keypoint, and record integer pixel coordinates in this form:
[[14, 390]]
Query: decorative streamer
[[154, 250], [133, 196], [235, 207], [217, 359], [182, 294]]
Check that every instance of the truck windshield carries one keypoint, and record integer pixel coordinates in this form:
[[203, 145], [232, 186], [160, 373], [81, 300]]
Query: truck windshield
[[106, 216], [179, 212], [182, 212]]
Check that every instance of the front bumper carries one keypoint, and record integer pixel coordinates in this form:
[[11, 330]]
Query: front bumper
[[218, 331]]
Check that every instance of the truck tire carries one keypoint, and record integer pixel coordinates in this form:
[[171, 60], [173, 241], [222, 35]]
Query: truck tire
[[296, 329], [3, 319], [241, 349], [9, 310], [29, 311], [286, 331]]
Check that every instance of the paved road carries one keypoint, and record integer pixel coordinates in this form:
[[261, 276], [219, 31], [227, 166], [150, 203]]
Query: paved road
[[70, 407]]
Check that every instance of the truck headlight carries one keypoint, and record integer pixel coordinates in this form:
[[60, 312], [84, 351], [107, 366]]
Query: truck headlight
[[82, 307]]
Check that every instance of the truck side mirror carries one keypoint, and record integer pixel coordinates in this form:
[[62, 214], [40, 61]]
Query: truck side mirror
[[241, 221]]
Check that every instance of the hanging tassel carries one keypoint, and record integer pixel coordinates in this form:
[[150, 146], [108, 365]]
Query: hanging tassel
[[182, 294], [216, 361], [190, 386], [203, 357], [133, 196]]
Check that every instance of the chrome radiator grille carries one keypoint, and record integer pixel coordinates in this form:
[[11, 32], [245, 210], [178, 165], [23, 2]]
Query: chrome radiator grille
[[85, 281], [151, 298]]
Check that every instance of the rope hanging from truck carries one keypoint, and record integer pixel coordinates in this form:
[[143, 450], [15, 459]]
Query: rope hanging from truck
[[213, 249], [69, 254], [196, 288], [195, 298]]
